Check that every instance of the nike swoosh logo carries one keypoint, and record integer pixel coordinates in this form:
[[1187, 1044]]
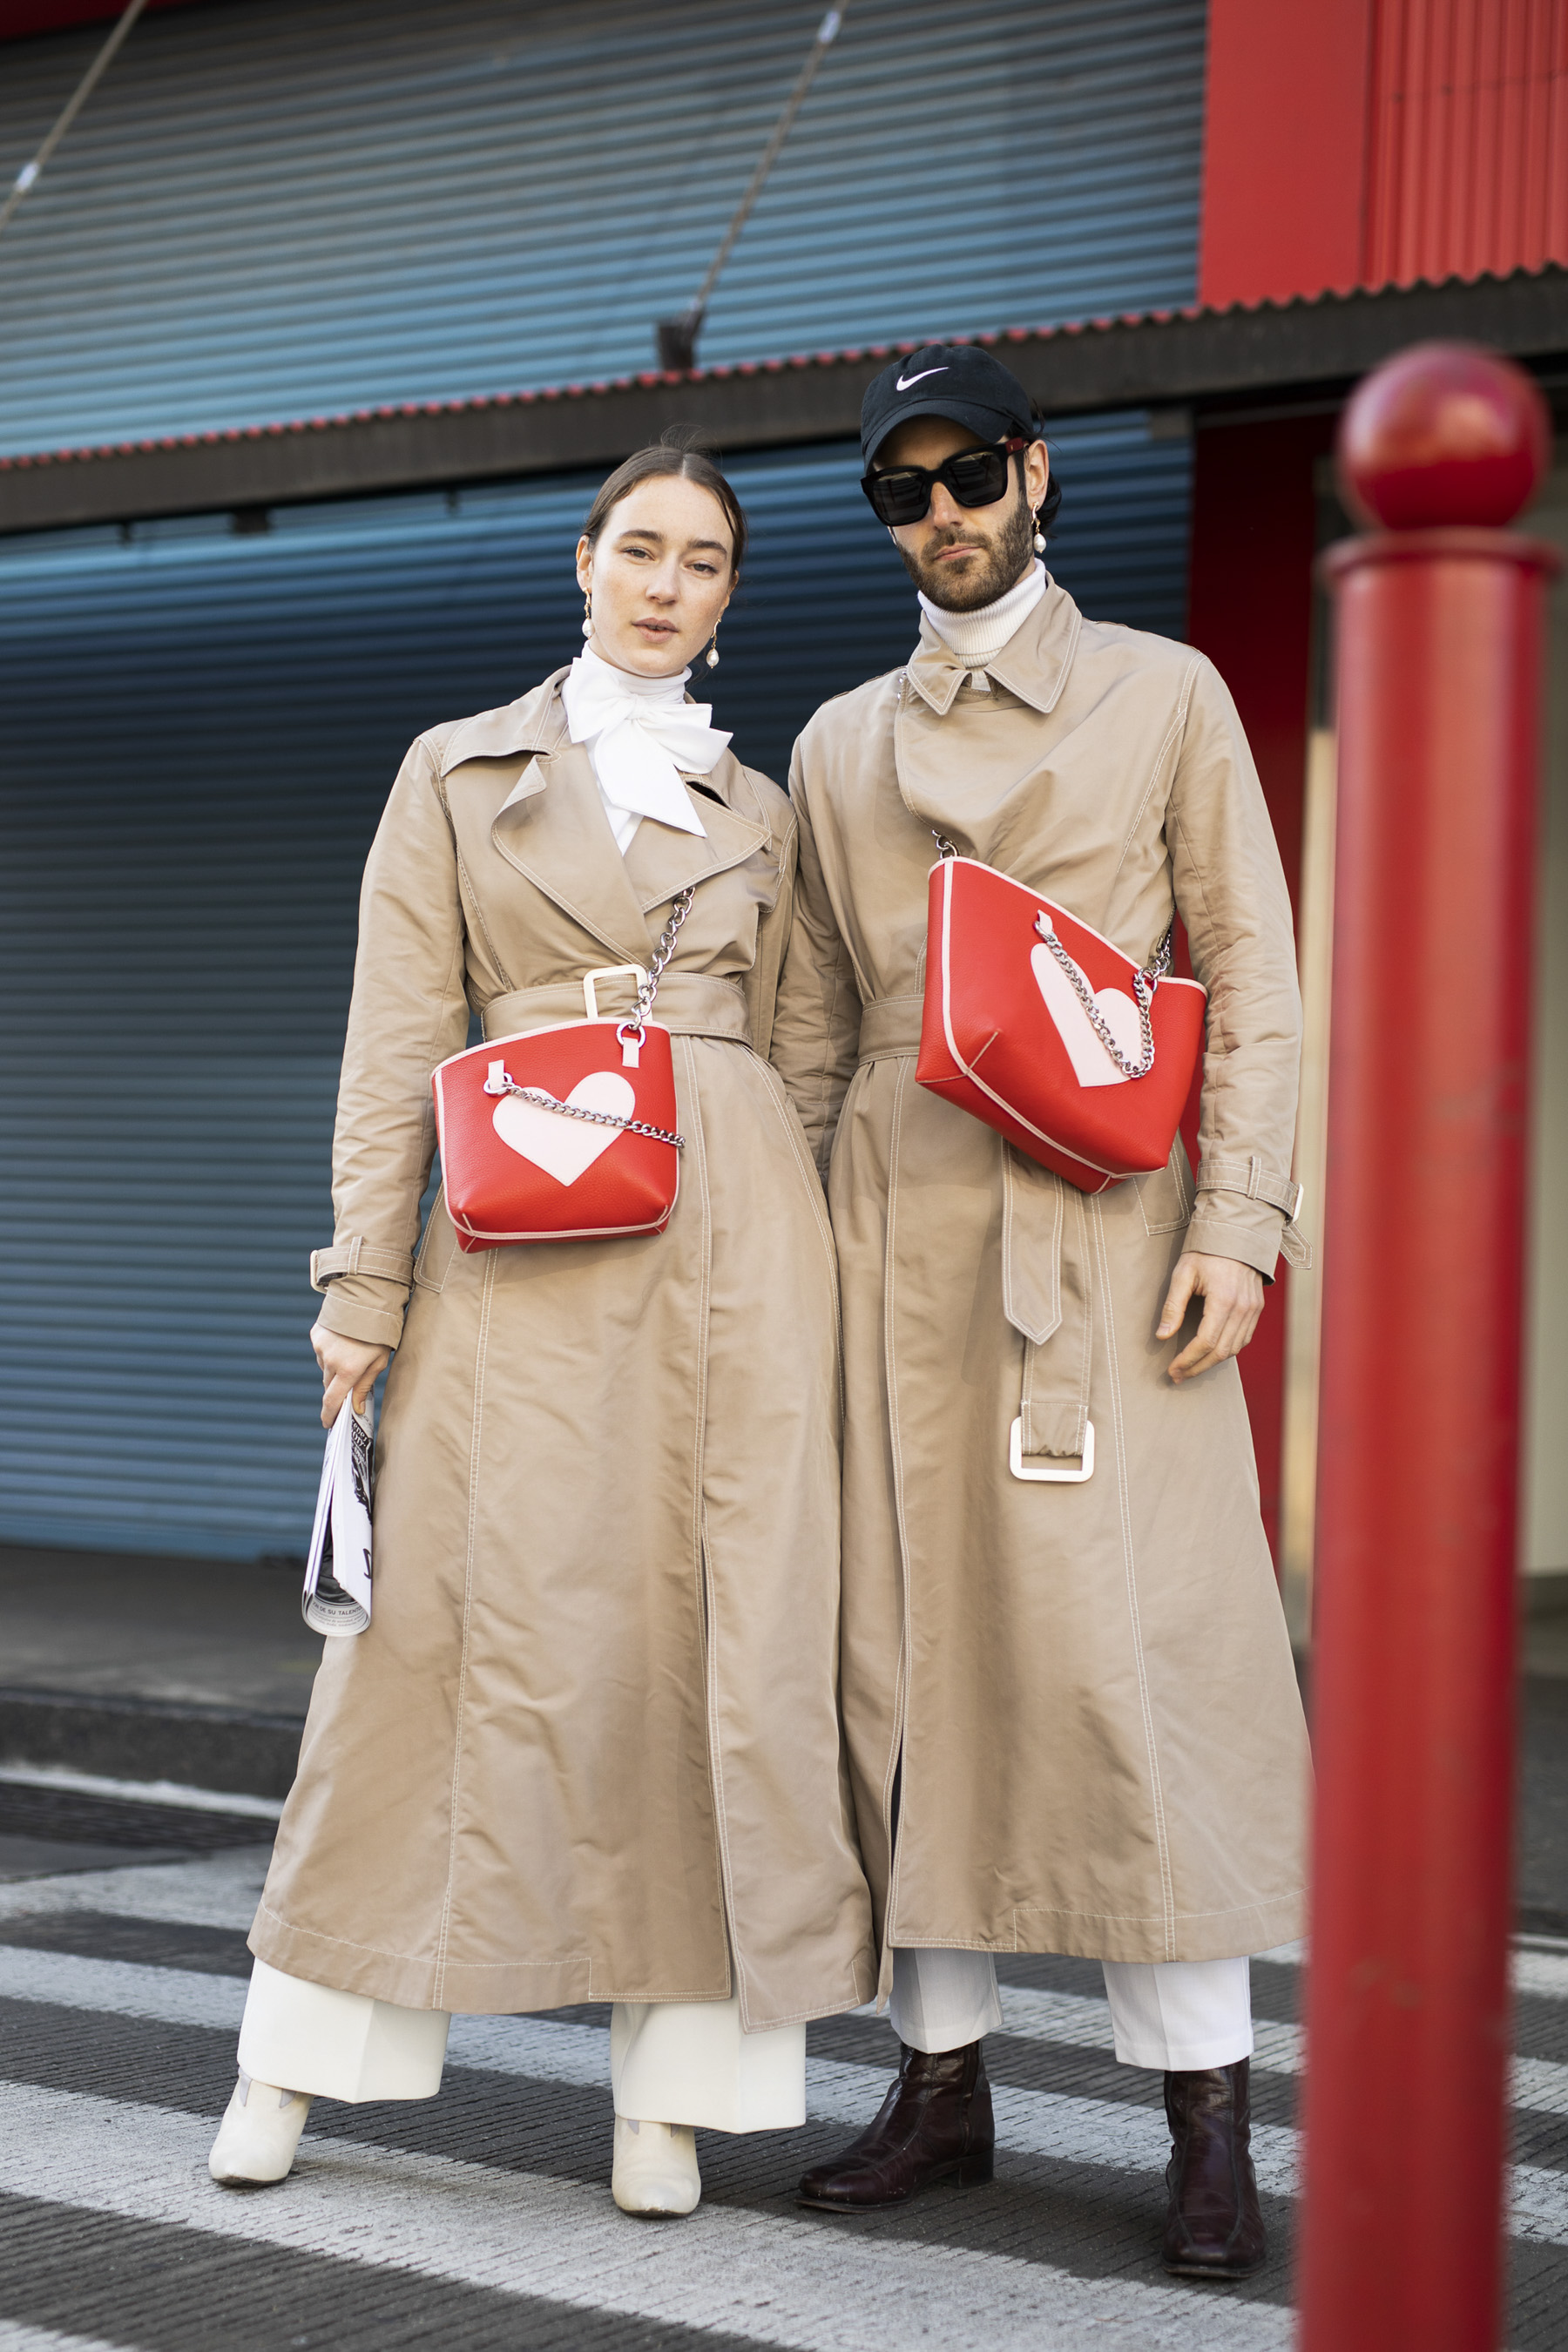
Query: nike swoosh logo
[[906, 381]]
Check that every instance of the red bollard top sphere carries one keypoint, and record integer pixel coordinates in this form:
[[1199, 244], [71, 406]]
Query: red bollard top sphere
[[1445, 433]]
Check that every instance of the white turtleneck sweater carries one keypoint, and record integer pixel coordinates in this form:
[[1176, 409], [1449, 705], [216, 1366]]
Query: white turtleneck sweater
[[639, 733], [979, 636]]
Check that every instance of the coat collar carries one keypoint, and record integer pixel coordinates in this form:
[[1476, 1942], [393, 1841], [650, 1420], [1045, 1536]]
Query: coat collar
[[553, 827], [535, 722], [1033, 664]]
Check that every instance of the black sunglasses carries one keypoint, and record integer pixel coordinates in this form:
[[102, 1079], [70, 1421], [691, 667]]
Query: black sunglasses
[[975, 478]]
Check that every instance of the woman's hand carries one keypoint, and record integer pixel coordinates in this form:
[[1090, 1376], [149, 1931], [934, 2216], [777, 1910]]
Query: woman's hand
[[346, 1364], [1233, 1301]]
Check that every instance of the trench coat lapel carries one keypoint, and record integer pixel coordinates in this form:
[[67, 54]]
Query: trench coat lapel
[[552, 825], [937, 782], [663, 861]]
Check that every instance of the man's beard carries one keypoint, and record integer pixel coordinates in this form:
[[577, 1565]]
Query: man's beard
[[986, 576]]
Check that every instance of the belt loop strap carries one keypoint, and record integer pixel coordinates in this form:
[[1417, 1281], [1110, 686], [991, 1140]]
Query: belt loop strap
[[1033, 1206], [1052, 1408]]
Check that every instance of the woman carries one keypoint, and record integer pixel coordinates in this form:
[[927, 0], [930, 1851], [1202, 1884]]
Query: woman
[[588, 1749]]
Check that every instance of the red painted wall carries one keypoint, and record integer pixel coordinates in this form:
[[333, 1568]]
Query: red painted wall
[[1468, 139], [1284, 148], [1370, 142], [1254, 536]]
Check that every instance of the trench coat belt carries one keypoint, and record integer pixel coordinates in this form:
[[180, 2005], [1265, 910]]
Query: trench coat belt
[[691, 1003], [890, 1025], [1047, 1261]]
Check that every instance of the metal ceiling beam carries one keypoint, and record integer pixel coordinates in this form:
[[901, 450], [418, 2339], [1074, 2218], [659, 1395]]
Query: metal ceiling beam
[[1206, 360]]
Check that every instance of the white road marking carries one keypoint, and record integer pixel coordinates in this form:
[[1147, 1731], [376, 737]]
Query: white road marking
[[178, 1793], [1083, 2024], [14, 2338], [808, 2285], [212, 1890], [1050, 2123], [1541, 1971]]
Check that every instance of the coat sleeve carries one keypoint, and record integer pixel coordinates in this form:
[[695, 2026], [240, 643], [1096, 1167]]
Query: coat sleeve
[[817, 1026], [408, 1011], [1230, 892]]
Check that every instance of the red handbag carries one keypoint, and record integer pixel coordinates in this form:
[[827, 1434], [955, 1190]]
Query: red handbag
[[1035, 1024], [566, 1133]]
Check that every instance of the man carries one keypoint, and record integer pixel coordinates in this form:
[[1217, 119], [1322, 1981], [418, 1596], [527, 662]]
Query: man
[[1072, 1717]]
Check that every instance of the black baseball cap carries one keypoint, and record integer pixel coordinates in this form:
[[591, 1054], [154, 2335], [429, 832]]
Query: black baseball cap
[[955, 380]]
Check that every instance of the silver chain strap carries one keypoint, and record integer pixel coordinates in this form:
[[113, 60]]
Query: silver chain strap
[[506, 1085], [1145, 985], [647, 987]]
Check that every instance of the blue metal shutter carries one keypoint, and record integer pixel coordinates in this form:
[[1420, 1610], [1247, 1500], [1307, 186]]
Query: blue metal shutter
[[310, 205], [197, 731]]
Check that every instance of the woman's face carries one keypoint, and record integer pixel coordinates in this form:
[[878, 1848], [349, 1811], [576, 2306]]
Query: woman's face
[[659, 576]]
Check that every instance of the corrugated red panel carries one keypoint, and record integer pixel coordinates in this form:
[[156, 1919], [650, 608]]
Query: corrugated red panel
[[1467, 168]]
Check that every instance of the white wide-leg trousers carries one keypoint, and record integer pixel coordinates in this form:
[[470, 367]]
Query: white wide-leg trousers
[[670, 2063], [1175, 2015]]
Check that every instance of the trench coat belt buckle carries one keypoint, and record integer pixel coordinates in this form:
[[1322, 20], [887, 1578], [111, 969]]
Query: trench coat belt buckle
[[632, 972], [1050, 1478], [690, 1004]]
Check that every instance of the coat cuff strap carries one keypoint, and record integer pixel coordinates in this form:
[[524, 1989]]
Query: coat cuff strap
[[1251, 1177], [360, 1257]]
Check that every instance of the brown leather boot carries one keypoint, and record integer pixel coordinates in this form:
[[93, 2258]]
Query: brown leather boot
[[935, 2124], [1213, 2228]]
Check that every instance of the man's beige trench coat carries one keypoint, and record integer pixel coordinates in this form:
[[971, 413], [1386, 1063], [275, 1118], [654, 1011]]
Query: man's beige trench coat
[[590, 1743], [1071, 1710]]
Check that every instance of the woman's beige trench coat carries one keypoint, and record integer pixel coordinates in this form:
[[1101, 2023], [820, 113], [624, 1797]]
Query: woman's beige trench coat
[[590, 1744], [1076, 1703]]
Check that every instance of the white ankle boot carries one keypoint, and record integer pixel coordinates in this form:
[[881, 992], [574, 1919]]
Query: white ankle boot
[[654, 2168], [259, 2134]]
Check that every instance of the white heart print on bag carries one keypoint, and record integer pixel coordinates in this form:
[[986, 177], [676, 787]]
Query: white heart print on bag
[[565, 1148], [1092, 1066]]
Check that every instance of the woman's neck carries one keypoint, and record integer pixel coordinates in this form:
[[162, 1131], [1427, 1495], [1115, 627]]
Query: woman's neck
[[655, 689]]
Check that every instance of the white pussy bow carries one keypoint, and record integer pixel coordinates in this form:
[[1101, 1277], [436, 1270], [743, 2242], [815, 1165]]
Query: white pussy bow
[[640, 732]]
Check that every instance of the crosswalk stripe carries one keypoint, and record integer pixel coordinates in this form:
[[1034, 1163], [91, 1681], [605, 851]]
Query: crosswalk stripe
[[1542, 1972], [1539, 2085], [14, 2338], [809, 2286], [180, 1996], [122, 1988], [221, 1890], [1054, 2125], [212, 1890]]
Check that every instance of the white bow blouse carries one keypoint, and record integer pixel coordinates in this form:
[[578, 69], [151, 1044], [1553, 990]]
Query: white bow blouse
[[639, 733]]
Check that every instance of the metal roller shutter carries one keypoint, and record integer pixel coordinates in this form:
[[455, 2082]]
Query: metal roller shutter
[[200, 729], [275, 208]]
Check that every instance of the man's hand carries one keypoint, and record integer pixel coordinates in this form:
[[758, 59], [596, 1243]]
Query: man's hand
[[359, 1364], [1233, 1301]]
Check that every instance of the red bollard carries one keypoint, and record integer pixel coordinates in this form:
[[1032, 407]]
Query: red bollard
[[1439, 637]]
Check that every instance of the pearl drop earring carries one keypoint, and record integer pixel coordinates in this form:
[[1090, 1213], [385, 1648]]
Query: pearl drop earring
[[712, 654], [587, 614], [1039, 535]]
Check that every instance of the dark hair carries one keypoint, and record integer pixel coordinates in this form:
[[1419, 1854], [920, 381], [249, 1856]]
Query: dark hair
[[1036, 428], [673, 455]]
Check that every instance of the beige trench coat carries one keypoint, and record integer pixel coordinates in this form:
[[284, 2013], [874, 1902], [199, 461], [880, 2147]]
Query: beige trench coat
[[590, 1744], [1075, 1705]]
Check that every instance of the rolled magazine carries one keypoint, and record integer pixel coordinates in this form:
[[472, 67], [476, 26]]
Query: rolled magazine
[[337, 1573]]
